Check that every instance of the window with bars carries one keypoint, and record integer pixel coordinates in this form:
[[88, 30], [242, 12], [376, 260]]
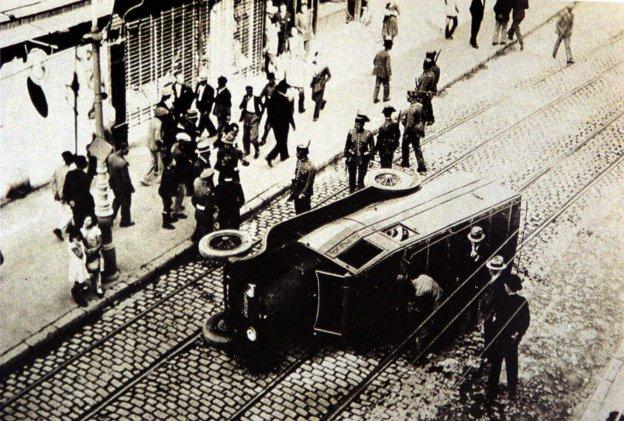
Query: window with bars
[[179, 39]]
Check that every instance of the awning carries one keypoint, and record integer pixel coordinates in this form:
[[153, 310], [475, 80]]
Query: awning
[[23, 20]]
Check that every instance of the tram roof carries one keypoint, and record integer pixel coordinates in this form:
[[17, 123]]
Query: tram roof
[[396, 223]]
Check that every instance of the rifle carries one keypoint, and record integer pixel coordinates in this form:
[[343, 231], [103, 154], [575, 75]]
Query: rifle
[[435, 60]]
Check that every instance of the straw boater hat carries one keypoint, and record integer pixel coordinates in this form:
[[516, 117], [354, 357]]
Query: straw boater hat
[[184, 137], [192, 114], [476, 234], [203, 145], [206, 174], [496, 263]]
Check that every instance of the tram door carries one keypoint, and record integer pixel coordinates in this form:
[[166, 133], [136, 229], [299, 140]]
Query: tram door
[[331, 303]]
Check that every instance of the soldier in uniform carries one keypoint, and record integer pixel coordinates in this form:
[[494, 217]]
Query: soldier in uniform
[[202, 161], [229, 199], [426, 88], [413, 130], [303, 184], [229, 155], [204, 203], [359, 148], [504, 330], [387, 138]]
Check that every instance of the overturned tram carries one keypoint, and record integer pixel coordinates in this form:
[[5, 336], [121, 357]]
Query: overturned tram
[[340, 269]]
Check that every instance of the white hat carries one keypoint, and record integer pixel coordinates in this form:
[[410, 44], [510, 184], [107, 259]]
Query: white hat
[[183, 136]]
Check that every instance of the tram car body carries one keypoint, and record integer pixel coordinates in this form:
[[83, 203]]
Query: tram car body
[[334, 270]]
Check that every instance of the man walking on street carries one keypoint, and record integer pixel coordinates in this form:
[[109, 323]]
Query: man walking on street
[[503, 332], [58, 182], [451, 11], [414, 129], [519, 7], [321, 76], [182, 93], [121, 185], [476, 11], [155, 146], [167, 190], [302, 185], [387, 138], [251, 113], [204, 98], [502, 10], [265, 96], [382, 70], [564, 33], [229, 199], [222, 103], [359, 149], [280, 117], [304, 25], [426, 86], [203, 201]]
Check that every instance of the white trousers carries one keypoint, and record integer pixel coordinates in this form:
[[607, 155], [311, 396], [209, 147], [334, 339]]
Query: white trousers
[[63, 214]]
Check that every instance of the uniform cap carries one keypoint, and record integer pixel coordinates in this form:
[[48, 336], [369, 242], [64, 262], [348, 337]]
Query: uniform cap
[[361, 118], [387, 111], [430, 55], [207, 173], [303, 147], [183, 137], [192, 113]]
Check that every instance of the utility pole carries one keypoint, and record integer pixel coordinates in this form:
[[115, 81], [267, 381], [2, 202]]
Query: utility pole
[[100, 149]]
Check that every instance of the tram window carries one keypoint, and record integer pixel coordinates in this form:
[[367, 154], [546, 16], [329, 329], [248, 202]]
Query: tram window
[[359, 254], [438, 264], [500, 225]]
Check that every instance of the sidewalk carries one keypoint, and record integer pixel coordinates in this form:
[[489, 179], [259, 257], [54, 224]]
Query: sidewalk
[[608, 396], [34, 290]]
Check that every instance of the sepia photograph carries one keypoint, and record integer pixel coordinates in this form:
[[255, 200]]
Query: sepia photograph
[[363, 210]]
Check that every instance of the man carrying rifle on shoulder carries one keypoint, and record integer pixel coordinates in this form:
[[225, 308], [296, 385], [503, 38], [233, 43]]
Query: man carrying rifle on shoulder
[[427, 84]]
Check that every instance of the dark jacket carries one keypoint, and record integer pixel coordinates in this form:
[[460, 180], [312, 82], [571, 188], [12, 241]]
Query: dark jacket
[[519, 4], [257, 106], [267, 92], [222, 103], [477, 6], [388, 138], [320, 80], [280, 110], [169, 128], [204, 104], [359, 145], [508, 324], [119, 176], [169, 183], [303, 183], [77, 189], [184, 97], [502, 9], [381, 64]]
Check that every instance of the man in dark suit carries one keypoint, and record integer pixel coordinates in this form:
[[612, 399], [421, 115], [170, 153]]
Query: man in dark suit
[[280, 116], [476, 10], [76, 192], [251, 113], [284, 22], [121, 185], [204, 98], [229, 199], [503, 332], [382, 70], [222, 104], [169, 127], [182, 94]]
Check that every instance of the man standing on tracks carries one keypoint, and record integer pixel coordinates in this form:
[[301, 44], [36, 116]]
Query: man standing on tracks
[[503, 332], [382, 70], [359, 149], [564, 33], [302, 185], [426, 86], [517, 16], [387, 138], [414, 129]]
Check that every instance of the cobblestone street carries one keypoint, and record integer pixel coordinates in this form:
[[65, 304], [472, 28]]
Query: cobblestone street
[[554, 133]]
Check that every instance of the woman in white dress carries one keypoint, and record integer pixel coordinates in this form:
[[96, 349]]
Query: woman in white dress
[[78, 274]]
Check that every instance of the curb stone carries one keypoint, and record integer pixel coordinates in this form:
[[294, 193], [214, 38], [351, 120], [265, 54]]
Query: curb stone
[[130, 283]]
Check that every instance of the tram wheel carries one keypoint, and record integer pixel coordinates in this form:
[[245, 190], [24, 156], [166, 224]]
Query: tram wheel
[[215, 331], [224, 243], [389, 179]]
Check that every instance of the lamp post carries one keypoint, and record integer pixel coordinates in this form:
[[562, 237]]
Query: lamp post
[[100, 149]]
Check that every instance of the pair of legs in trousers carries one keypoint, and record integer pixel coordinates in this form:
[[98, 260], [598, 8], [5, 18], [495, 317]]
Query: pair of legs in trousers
[[499, 32], [477, 18], [250, 137], [357, 172], [566, 43], [385, 81], [123, 202], [204, 224], [414, 140], [516, 18], [205, 123], [155, 168], [385, 160], [509, 353], [281, 143], [428, 110], [63, 218], [178, 201], [267, 129], [451, 25], [167, 218], [222, 121], [319, 103]]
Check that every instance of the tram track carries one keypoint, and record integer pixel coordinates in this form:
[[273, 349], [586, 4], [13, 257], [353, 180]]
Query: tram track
[[398, 352], [265, 391], [212, 273]]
